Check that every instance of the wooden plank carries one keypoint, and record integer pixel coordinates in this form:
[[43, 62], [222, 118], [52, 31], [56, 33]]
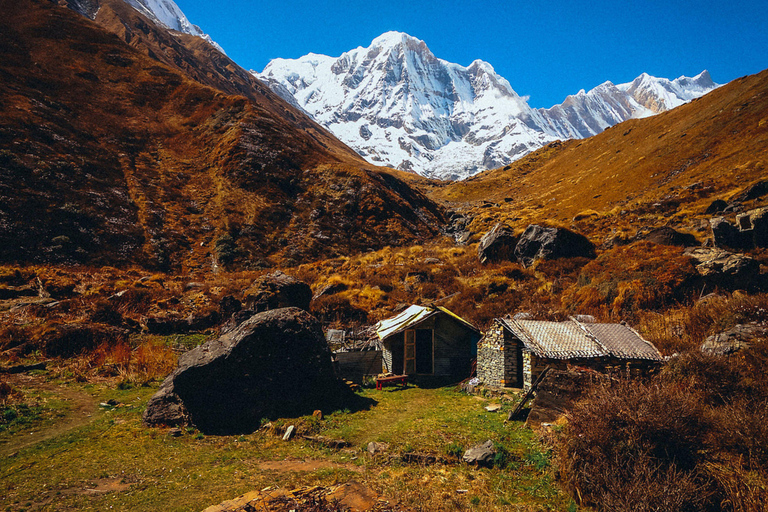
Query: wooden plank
[[527, 395]]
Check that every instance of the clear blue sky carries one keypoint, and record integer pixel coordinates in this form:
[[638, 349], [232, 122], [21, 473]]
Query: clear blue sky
[[546, 49]]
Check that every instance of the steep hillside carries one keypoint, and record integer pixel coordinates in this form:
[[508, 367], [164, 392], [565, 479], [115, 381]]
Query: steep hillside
[[110, 156], [665, 169]]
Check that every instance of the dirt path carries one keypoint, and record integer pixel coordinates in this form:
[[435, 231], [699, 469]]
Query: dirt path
[[80, 412]]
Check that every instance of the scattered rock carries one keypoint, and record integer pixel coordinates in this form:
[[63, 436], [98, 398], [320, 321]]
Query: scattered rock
[[318, 415], [755, 191], [275, 364], [289, 433], [330, 289], [716, 206], [175, 432], [668, 236], [277, 290], [733, 340], [538, 242], [375, 448], [481, 454], [725, 269], [497, 245], [493, 407]]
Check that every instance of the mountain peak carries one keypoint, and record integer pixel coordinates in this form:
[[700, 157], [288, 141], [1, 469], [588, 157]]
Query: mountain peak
[[393, 38]]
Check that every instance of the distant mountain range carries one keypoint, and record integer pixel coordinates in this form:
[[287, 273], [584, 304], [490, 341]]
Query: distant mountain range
[[398, 105]]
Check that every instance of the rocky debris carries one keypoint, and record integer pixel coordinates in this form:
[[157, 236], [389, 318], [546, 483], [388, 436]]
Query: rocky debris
[[289, 433], [274, 364], [175, 432], [351, 496], [734, 339], [493, 407], [481, 454], [458, 228], [375, 448], [725, 269], [497, 245], [668, 236], [277, 290], [716, 206], [539, 242], [556, 394]]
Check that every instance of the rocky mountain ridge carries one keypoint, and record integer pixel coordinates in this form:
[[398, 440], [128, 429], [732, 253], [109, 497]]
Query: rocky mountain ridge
[[398, 105]]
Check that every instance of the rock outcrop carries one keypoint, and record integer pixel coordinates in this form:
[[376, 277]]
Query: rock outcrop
[[497, 245], [276, 363], [733, 339], [539, 242], [725, 269], [750, 230]]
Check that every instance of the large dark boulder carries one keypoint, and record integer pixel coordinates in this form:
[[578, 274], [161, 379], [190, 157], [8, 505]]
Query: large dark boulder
[[539, 242], [758, 220], [271, 291], [277, 290], [497, 245], [274, 364], [729, 235]]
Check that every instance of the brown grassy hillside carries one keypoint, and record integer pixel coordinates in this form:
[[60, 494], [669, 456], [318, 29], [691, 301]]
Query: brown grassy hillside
[[109, 156], [661, 170]]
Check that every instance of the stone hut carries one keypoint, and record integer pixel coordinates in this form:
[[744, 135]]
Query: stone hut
[[513, 352], [428, 340]]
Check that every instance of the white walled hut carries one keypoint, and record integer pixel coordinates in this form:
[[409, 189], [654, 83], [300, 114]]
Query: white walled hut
[[512, 353], [428, 340]]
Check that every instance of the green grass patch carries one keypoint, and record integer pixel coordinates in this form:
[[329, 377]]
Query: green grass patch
[[151, 470]]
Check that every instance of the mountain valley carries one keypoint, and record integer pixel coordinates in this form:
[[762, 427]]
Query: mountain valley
[[155, 198]]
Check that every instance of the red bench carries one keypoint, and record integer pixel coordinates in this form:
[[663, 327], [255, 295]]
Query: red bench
[[391, 381]]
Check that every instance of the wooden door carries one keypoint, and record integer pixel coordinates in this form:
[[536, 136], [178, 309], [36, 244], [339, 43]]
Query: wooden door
[[410, 352]]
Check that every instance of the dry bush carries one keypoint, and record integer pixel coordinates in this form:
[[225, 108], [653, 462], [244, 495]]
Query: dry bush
[[626, 280], [693, 438]]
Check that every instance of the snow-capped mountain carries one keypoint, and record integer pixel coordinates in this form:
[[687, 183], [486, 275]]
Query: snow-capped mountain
[[397, 104], [168, 14]]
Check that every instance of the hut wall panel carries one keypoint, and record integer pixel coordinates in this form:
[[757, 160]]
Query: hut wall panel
[[355, 365]]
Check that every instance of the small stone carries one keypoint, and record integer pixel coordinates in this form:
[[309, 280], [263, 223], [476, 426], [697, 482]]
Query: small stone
[[175, 432], [493, 407], [375, 448], [318, 414], [481, 454], [289, 433]]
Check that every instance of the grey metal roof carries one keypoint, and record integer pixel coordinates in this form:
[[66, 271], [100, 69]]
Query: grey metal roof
[[573, 339], [555, 340], [623, 342]]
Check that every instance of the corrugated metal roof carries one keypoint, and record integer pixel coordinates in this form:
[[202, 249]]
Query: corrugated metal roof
[[572, 339], [555, 340], [412, 316], [623, 342]]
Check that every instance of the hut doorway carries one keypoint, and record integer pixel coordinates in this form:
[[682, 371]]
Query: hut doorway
[[419, 351]]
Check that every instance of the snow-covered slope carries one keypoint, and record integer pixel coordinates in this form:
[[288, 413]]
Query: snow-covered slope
[[168, 14], [397, 104]]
